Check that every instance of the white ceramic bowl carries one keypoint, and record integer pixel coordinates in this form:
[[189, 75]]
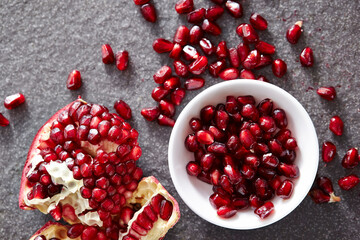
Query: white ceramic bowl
[[195, 193]]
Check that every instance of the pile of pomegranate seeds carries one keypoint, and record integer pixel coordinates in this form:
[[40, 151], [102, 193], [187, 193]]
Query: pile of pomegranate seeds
[[245, 151]]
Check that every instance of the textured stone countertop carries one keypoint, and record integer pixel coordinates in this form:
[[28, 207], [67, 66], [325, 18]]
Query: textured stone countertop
[[42, 41]]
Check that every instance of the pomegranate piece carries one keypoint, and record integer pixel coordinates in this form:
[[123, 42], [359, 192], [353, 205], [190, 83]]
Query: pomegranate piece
[[328, 93], [252, 60], [193, 169], [159, 93], [196, 16], [328, 151], [221, 50], [307, 57], [194, 83], [265, 48], [161, 45], [258, 22], [348, 182], [180, 68], [165, 121], [351, 158], [167, 108], [198, 66], [279, 68], [107, 54], [184, 6], [162, 74], [122, 60], [74, 80], [265, 210], [211, 27], [177, 96], [243, 51], [214, 12], [182, 35], [248, 33], [285, 189], [207, 47], [122, 109], [226, 211], [229, 74], [246, 74], [216, 67], [14, 100], [148, 11], [336, 125], [141, 2], [234, 57], [195, 35], [234, 8], [326, 185], [294, 32]]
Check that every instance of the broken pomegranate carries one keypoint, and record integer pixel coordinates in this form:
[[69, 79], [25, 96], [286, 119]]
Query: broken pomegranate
[[14, 101], [81, 167]]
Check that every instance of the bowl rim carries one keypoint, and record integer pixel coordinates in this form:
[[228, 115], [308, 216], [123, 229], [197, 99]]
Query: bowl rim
[[238, 83]]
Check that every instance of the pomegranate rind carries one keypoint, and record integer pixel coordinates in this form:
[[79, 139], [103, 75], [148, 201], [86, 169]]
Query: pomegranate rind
[[45, 129], [53, 230]]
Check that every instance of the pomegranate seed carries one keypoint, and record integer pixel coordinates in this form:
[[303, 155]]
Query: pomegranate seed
[[249, 33], [252, 60], [265, 210], [246, 74], [196, 16], [217, 200], [250, 111], [246, 138], [99, 194], [265, 107], [214, 12], [180, 68], [3, 121], [255, 201], [14, 100], [239, 30], [195, 35], [159, 93], [226, 211], [258, 22], [243, 51], [348, 182], [89, 233], [262, 78], [216, 67], [285, 189], [229, 74], [207, 46], [75, 230], [233, 174], [265, 60], [279, 68], [165, 121], [161, 45], [184, 6], [336, 125], [294, 32], [221, 119], [205, 177], [195, 124], [122, 109], [193, 169], [176, 51], [174, 82], [207, 113], [167, 108], [74, 80], [234, 57], [291, 171], [190, 53], [182, 35], [219, 2], [211, 27], [194, 83], [150, 113], [177, 96], [280, 118], [291, 144], [140, 2], [107, 54], [122, 60], [162, 74], [198, 66], [148, 11], [328, 151], [351, 158], [269, 160], [319, 196], [234, 8], [204, 137], [166, 210], [221, 50], [307, 57], [327, 93], [326, 185], [265, 48]]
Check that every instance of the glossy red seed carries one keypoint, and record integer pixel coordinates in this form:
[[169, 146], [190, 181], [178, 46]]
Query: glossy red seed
[[246, 138], [184, 6], [190, 53], [159, 93], [214, 12], [243, 51], [74, 80], [351, 158], [211, 27], [217, 200], [280, 118], [279, 68], [336, 125], [206, 46], [180, 68], [258, 22], [216, 68], [249, 33], [198, 66], [234, 57], [246, 74], [285, 189], [234, 8], [290, 144], [195, 35], [255, 201], [265, 60], [176, 51], [348, 182], [269, 160], [122, 60], [166, 209], [75, 230], [162, 74], [177, 96], [107, 54], [328, 151], [229, 74], [221, 50], [193, 168], [265, 210], [123, 109], [294, 32], [265, 48], [226, 211], [165, 121], [14, 100], [219, 2], [161, 45], [195, 124], [328, 93], [319, 196], [194, 83], [325, 184], [148, 11], [89, 233], [140, 2], [204, 137], [182, 35], [252, 60], [174, 82], [291, 171], [307, 57], [207, 113], [206, 161], [167, 108], [196, 16]]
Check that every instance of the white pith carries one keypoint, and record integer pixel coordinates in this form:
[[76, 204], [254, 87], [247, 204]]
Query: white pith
[[52, 231]]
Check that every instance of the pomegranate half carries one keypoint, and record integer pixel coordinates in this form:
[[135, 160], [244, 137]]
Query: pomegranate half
[[81, 167]]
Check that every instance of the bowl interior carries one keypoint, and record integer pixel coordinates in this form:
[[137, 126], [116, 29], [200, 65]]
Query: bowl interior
[[195, 193]]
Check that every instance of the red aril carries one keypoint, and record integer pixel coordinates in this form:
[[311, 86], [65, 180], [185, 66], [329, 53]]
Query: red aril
[[348, 182], [122, 60], [194, 83], [107, 54], [336, 125], [165, 121], [234, 8], [172, 83], [74, 80], [122, 109], [248, 33], [3, 121], [243, 51], [198, 66], [265, 48], [150, 113], [195, 35], [279, 68], [214, 12], [184, 6], [246, 74], [294, 32], [234, 57], [196, 16], [180, 68], [182, 35], [211, 27], [265, 60], [258, 22], [176, 51], [221, 50], [265, 210], [190, 53], [148, 11], [326, 185], [177, 96], [351, 158], [229, 74], [285, 189], [13, 101], [216, 67], [204, 137], [167, 108], [328, 151], [159, 93], [140, 2], [307, 57], [161, 45], [162, 74], [328, 93], [207, 47], [262, 78], [252, 60], [226, 211], [193, 169]]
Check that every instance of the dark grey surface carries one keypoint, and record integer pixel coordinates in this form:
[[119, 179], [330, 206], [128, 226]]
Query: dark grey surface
[[42, 41]]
